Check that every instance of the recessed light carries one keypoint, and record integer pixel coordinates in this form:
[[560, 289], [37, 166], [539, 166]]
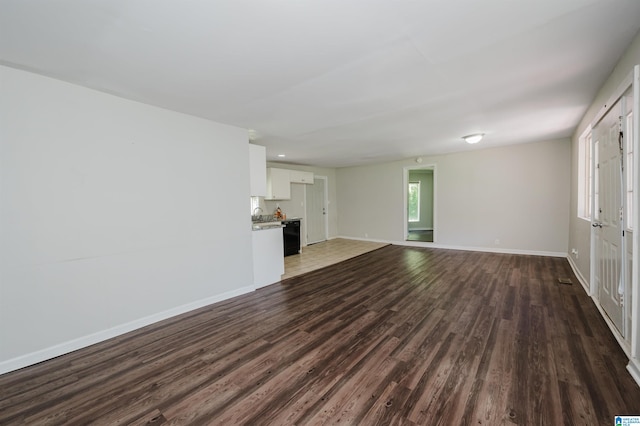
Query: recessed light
[[281, 155], [474, 138]]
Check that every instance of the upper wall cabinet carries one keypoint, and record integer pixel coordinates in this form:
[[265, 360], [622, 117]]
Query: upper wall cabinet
[[258, 170], [278, 184], [298, 176]]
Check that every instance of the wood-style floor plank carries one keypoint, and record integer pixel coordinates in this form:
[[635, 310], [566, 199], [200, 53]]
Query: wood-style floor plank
[[400, 335]]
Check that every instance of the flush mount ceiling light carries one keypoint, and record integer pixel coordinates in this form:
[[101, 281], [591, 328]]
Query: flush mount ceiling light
[[474, 138], [281, 155]]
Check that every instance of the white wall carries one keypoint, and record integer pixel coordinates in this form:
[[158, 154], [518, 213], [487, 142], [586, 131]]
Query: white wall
[[113, 214], [517, 194]]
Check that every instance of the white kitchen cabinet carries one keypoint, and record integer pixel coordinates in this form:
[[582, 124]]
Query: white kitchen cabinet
[[297, 176], [268, 256], [258, 170], [278, 184]]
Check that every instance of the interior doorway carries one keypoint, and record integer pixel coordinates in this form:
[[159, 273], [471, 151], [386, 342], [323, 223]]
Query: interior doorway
[[419, 202], [317, 217]]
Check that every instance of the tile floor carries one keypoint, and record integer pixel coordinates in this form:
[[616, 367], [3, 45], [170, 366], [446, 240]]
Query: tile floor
[[425, 236], [326, 253]]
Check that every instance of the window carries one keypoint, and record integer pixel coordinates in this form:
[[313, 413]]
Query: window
[[628, 136], [414, 201], [584, 175]]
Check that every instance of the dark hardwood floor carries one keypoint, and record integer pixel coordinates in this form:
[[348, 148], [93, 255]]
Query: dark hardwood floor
[[401, 335]]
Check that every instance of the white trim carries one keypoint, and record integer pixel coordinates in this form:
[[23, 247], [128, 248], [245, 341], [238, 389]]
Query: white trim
[[578, 274], [592, 234], [464, 248], [585, 219], [621, 342], [100, 336], [581, 143], [585, 286], [635, 237], [303, 223], [634, 369], [622, 88]]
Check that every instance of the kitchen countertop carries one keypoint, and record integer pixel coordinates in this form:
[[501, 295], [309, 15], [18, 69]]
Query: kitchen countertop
[[267, 222], [261, 226]]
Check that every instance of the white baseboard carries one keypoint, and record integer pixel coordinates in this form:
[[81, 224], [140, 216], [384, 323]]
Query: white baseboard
[[624, 345], [634, 365], [578, 274], [100, 336], [634, 369], [463, 248]]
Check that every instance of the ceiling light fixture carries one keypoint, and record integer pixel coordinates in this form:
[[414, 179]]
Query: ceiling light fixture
[[281, 155], [474, 138]]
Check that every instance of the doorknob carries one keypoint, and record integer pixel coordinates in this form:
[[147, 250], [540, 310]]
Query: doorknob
[[597, 224]]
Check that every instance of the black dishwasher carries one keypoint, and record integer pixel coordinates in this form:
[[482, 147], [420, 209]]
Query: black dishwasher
[[291, 233]]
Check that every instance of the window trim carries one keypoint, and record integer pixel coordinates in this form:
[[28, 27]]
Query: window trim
[[585, 175]]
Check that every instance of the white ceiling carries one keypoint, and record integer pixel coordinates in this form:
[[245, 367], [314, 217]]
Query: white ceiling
[[337, 82]]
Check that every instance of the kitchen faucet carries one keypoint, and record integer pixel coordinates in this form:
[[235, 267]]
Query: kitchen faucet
[[257, 209]]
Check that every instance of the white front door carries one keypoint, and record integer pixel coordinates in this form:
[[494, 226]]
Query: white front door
[[317, 210], [608, 216]]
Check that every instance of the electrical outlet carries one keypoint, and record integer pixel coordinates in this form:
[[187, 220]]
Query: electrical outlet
[[497, 242], [366, 235]]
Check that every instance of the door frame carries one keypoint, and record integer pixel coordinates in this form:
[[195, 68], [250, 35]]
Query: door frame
[[608, 176], [632, 336], [635, 280], [325, 180], [405, 215]]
